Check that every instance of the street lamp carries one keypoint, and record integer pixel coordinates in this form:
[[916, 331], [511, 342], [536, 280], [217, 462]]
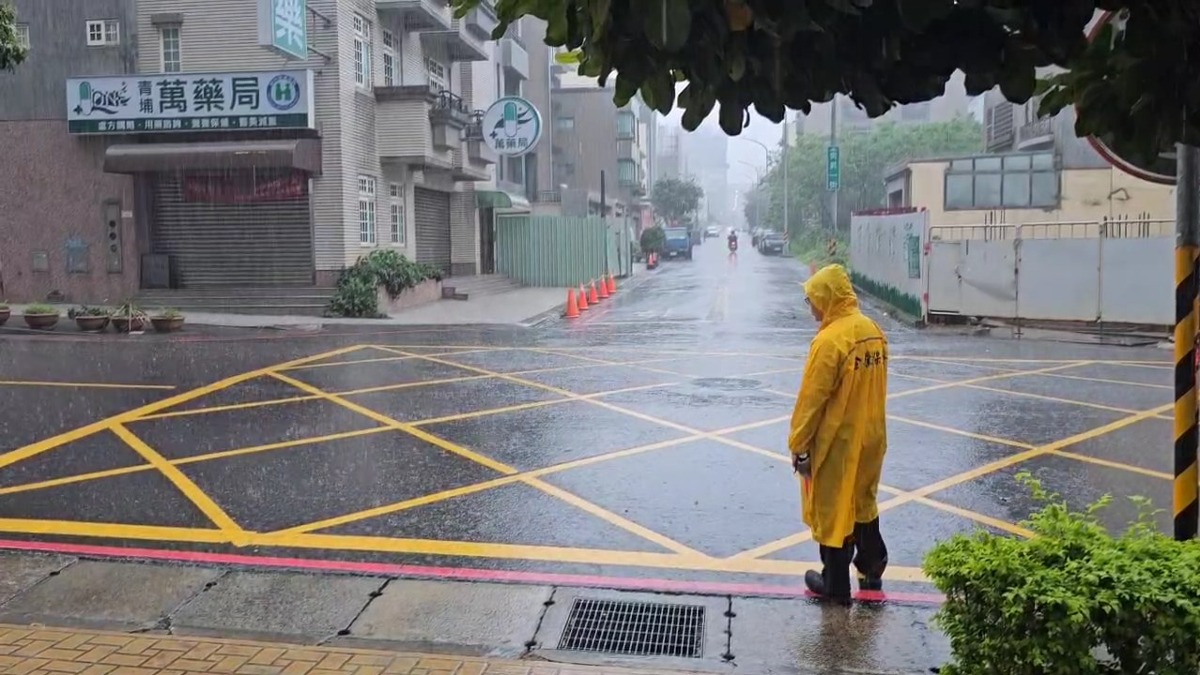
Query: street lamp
[[784, 161], [757, 186]]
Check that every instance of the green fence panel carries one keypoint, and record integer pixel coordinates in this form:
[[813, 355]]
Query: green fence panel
[[551, 250]]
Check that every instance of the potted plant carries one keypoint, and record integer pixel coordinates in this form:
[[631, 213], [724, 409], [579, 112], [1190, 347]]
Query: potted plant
[[128, 318], [5, 312], [41, 317], [167, 321], [89, 319]]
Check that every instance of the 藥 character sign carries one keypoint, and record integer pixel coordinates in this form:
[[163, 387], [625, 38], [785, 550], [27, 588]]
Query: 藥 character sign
[[512, 126], [283, 27]]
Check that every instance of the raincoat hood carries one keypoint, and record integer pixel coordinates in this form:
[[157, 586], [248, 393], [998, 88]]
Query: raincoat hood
[[830, 291]]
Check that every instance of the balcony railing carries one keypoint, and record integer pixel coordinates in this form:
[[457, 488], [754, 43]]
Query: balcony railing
[[450, 103], [1035, 132], [548, 197], [474, 129]]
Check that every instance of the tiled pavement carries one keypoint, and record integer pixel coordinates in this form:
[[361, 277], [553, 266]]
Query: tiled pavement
[[47, 651]]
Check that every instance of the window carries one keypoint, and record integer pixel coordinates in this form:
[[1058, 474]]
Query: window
[[362, 52], [103, 32], [397, 213], [366, 210], [172, 60], [564, 123], [625, 124], [389, 58], [436, 73], [23, 35], [1002, 181], [627, 171]]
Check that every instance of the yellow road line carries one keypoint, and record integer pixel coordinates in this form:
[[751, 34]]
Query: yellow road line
[[82, 385], [1025, 394], [499, 467], [32, 449], [1064, 376], [71, 528], [985, 378], [184, 484], [195, 459]]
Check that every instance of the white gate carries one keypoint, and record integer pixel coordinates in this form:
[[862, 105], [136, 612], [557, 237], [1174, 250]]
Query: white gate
[[945, 279]]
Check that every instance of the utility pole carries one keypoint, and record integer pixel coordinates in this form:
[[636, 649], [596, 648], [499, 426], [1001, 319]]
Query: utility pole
[[786, 141], [833, 107], [1187, 243]]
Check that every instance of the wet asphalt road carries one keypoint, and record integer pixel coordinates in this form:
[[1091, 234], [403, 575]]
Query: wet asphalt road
[[639, 446]]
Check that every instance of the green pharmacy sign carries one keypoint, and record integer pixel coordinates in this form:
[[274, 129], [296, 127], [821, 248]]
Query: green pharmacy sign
[[283, 27]]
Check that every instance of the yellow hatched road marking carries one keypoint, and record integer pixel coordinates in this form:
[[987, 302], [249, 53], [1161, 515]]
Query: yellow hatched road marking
[[83, 385]]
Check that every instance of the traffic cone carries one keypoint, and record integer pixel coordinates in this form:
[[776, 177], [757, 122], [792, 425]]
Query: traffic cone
[[583, 301], [572, 305], [612, 284], [593, 297], [603, 288]]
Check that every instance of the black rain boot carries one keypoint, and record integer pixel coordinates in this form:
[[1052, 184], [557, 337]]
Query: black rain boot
[[871, 557], [833, 581]]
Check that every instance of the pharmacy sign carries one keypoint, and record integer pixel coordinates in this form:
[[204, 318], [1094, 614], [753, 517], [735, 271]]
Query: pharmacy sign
[[283, 27], [190, 102], [511, 126]]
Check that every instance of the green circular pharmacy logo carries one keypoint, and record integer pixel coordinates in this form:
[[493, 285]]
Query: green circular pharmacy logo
[[283, 92], [511, 126]]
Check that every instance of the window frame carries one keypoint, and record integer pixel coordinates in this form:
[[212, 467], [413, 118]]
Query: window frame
[[396, 221], [967, 168], [109, 32], [23, 39], [389, 60], [442, 81], [162, 47], [367, 219], [364, 76]]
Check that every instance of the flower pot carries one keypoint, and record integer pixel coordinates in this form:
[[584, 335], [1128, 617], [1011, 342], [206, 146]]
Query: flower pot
[[41, 321], [124, 324], [167, 324], [91, 324], [4, 314]]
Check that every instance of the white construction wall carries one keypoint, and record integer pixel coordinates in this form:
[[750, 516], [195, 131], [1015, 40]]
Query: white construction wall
[[887, 259]]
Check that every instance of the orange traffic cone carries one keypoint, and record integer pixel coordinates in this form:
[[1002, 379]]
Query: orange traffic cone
[[583, 301], [612, 284], [593, 297], [603, 288], [572, 305]]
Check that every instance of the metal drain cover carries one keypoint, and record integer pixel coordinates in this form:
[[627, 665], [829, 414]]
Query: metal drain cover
[[727, 383], [634, 628]]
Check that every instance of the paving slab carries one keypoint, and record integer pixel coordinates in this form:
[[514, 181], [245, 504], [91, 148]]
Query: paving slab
[[302, 608], [804, 636], [20, 571], [465, 618], [108, 595]]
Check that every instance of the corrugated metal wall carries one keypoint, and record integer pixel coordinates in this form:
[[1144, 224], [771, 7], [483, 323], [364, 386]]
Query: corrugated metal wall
[[266, 243], [552, 251], [432, 213]]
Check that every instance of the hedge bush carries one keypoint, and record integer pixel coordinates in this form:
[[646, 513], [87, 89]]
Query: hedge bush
[[653, 240], [356, 293], [1073, 600]]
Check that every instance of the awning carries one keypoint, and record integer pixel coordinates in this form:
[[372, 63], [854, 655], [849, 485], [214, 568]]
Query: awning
[[499, 199], [299, 153]]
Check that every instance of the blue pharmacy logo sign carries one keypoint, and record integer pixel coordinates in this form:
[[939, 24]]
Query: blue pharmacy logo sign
[[511, 126], [283, 92]]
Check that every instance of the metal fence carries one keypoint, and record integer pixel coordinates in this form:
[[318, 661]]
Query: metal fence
[[1120, 227], [559, 251]]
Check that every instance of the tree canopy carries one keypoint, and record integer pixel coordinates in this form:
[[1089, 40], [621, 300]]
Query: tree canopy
[[11, 51], [865, 160], [675, 198], [774, 56]]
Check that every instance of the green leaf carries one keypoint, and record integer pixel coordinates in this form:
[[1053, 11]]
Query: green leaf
[[732, 117], [667, 23], [917, 14], [658, 91], [600, 11]]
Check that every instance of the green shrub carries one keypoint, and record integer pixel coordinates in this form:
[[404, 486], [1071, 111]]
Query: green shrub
[[39, 308], [355, 295], [653, 240], [1073, 600], [87, 310]]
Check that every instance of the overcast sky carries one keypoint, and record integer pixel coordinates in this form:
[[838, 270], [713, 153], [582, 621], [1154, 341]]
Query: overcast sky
[[760, 129]]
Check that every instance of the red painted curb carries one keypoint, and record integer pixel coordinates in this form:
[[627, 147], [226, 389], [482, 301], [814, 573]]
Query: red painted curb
[[457, 573]]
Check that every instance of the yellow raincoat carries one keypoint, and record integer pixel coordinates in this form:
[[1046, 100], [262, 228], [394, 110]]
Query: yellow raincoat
[[839, 419]]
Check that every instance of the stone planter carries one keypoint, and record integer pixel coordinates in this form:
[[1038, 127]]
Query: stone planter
[[124, 324], [4, 314], [41, 321], [421, 294], [91, 324], [166, 324]]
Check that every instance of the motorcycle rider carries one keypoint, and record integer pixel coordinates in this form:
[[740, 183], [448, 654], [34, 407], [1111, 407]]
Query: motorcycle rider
[[733, 241]]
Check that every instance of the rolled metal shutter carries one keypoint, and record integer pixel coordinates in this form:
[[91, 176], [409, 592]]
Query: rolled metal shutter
[[432, 212], [263, 243]]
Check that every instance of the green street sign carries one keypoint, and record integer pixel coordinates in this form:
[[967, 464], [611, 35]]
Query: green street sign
[[833, 169]]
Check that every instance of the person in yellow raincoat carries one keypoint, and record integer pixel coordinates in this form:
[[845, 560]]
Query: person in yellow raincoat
[[838, 437]]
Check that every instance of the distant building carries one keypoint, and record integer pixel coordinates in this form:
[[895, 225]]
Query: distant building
[[850, 118]]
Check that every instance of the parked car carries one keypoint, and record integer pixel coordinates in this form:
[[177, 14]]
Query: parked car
[[712, 231], [772, 243], [679, 243]]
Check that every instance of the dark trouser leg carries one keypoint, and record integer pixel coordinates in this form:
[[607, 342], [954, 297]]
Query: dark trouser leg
[[871, 556], [833, 581]]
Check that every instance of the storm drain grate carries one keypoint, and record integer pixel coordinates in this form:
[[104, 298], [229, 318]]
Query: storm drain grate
[[634, 628]]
